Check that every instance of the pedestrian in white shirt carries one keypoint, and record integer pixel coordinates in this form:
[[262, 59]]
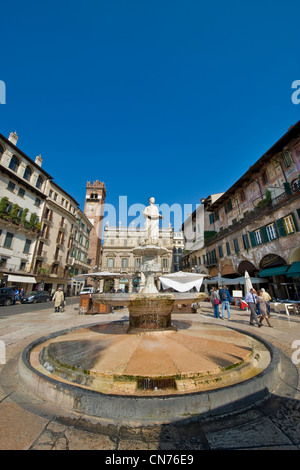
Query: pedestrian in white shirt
[[250, 298]]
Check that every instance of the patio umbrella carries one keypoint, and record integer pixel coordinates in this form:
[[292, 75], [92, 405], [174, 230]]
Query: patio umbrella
[[248, 283]]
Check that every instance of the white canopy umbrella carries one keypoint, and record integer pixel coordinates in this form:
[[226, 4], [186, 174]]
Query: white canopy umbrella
[[248, 283], [181, 281]]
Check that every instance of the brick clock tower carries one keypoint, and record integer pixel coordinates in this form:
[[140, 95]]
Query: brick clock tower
[[94, 211]]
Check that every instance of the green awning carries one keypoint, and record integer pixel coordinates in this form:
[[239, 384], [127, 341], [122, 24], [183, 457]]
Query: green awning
[[274, 271], [294, 269]]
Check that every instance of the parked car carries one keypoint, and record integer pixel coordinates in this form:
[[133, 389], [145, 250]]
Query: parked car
[[7, 295], [36, 296], [87, 290]]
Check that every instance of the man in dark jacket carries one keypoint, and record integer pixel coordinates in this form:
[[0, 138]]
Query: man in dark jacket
[[225, 301]]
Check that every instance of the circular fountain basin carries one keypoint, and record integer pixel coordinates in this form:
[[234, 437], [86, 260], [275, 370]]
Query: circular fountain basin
[[151, 376]]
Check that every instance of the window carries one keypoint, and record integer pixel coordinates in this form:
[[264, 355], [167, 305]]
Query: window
[[228, 248], [27, 173], [110, 263], [54, 269], [221, 254], [286, 159], [271, 231], [1, 151], [39, 182], [265, 178], [8, 240], [246, 242], [50, 193], [124, 262], [22, 266], [14, 163], [289, 224], [138, 263], [257, 236], [211, 218], [165, 263], [243, 197], [37, 202], [11, 186], [21, 192], [27, 246]]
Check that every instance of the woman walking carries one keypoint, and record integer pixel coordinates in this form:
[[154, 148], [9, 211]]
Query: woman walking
[[263, 308]]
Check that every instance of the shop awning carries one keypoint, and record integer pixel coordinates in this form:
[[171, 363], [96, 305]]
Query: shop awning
[[26, 279], [294, 270], [276, 271]]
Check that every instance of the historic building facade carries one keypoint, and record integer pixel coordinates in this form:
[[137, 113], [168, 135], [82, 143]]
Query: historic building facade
[[117, 256], [44, 236], [255, 223], [23, 183], [62, 247], [196, 229]]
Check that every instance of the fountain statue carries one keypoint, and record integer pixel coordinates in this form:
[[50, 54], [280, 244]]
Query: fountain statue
[[150, 309]]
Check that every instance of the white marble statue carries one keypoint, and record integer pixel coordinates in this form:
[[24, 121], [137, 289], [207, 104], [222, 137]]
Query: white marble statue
[[152, 217]]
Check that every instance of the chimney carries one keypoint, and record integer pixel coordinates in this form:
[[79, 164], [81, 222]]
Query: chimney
[[13, 138], [38, 160]]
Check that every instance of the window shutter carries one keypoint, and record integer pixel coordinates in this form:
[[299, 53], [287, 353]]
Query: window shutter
[[264, 234], [252, 239], [280, 228], [236, 245], [295, 222], [287, 188]]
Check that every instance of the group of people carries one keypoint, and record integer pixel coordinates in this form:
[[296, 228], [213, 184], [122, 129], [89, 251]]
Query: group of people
[[18, 295], [221, 297], [257, 302]]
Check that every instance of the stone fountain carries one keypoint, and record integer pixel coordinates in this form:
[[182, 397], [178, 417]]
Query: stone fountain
[[149, 309], [149, 369]]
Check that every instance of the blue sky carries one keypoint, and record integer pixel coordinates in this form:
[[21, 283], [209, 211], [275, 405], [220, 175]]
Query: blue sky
[[172, 99]]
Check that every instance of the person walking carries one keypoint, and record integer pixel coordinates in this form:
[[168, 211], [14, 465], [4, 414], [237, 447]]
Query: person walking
[[250, 299], [225, 301], [58, 299], [215, 300], [263, 308], [267, 298]]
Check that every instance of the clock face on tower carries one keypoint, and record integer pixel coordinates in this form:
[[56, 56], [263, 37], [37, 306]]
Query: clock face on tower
[[91, 207]]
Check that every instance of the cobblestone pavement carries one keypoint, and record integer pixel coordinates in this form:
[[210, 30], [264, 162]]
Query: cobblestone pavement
[[28, 423]]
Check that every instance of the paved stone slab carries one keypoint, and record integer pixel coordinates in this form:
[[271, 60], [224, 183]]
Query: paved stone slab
[[18, 428], [257, 434], [60, 437]]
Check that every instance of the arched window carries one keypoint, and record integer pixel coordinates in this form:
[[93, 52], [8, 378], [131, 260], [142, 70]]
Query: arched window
[[14, 163], [27, 173], [39, 182]]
